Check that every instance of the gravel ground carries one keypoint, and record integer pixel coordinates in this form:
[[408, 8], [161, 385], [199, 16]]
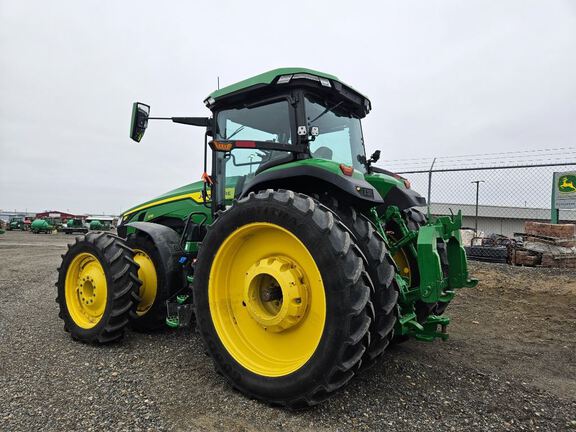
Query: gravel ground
[[510, 364]]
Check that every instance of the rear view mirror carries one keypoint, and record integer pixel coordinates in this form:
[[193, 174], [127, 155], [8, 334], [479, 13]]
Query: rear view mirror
[[375, 156], [140, 113]]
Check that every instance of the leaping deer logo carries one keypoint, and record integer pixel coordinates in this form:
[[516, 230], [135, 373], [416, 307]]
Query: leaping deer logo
[[567, 186]]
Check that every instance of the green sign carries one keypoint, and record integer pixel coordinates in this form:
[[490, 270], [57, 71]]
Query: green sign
[[565, 190]]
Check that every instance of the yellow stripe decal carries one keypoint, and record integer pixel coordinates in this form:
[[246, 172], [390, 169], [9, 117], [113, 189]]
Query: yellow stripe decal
[[196, 197]]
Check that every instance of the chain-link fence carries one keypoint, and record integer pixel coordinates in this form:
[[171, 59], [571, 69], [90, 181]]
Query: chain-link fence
[[496, 193]]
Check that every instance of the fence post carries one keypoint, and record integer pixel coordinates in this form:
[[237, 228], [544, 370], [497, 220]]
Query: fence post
[[477, 195], [554, 212], [430, 186]]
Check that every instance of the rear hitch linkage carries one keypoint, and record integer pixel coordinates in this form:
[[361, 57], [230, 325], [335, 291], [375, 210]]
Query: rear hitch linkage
[[437, 281]]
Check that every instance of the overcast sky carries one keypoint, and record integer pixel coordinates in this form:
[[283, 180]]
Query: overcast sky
[[444, 77]]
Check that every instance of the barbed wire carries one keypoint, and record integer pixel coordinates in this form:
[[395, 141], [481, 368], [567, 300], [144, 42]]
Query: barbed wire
[[530, 157], [484, 161], [520, 152]]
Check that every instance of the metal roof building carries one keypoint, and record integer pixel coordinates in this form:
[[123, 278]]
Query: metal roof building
[[499, 219], [56, 215]]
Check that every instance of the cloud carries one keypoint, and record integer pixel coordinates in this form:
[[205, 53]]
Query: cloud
[[445, 77]]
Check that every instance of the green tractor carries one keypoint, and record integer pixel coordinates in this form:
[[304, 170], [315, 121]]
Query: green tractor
[[300, 259], [16, 223], [74, 225], [98, 224]]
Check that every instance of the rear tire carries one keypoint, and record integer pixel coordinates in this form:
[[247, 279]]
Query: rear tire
[[97, 288], [380, 267], [301, 361]]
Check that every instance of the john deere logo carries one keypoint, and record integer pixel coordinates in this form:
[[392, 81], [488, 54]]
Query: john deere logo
[[567, 183]]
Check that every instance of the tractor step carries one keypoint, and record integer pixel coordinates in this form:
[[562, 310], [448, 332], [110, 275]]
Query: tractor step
[[179, 312]]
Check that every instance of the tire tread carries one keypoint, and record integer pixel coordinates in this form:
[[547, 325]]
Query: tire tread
[[355, 288]]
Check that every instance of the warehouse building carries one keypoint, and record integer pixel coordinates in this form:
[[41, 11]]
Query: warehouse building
[[499, 219], [55, 214]]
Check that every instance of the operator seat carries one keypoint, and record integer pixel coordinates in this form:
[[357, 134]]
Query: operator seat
[[323, 153]]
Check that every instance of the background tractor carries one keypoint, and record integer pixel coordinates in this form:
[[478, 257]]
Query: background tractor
[[17, 223], [99, 223], [96, 225], [75, 225], [300, 259]]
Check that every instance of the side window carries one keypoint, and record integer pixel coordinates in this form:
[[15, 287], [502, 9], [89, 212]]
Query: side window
[[237, 131], [333, 146], [340, 133], [264, 123], [269, 122]]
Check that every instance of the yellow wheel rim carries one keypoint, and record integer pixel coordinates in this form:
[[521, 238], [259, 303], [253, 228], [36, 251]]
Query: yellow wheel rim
[[401, 261], [86, 290], [149, 288], [267, 299]]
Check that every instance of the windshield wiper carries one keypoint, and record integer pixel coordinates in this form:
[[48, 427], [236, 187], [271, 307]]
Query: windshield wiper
[[240, 129], [325, 111]]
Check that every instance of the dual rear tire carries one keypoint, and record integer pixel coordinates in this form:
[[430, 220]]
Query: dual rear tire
[[380, 268], [283, 299]]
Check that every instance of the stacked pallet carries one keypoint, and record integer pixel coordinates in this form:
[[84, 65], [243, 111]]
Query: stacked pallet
[[561, 234], [526, 258], [547, 245]]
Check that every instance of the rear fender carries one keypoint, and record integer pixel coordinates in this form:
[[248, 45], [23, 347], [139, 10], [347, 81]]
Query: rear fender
[[308, 178], [403, 199]]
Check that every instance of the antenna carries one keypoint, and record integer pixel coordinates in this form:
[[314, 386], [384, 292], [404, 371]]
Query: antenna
[[218, 81]]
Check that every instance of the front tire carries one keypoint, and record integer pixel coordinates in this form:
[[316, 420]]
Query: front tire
[[97, 288], [150, 312], [282, 299]]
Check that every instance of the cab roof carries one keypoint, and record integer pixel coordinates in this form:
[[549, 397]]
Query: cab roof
[[281, 76]]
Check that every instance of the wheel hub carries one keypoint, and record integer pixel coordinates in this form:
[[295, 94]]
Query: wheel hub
[[87, 290], [275, 294]]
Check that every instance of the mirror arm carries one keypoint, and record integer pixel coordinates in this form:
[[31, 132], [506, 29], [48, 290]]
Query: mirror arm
[[192, 121]]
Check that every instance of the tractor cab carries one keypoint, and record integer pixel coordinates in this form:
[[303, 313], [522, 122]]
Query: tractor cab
[[280, 117], [290, 128]]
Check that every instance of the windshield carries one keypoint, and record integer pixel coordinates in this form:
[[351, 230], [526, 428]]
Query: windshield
[[340, 133], [270, 122]]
